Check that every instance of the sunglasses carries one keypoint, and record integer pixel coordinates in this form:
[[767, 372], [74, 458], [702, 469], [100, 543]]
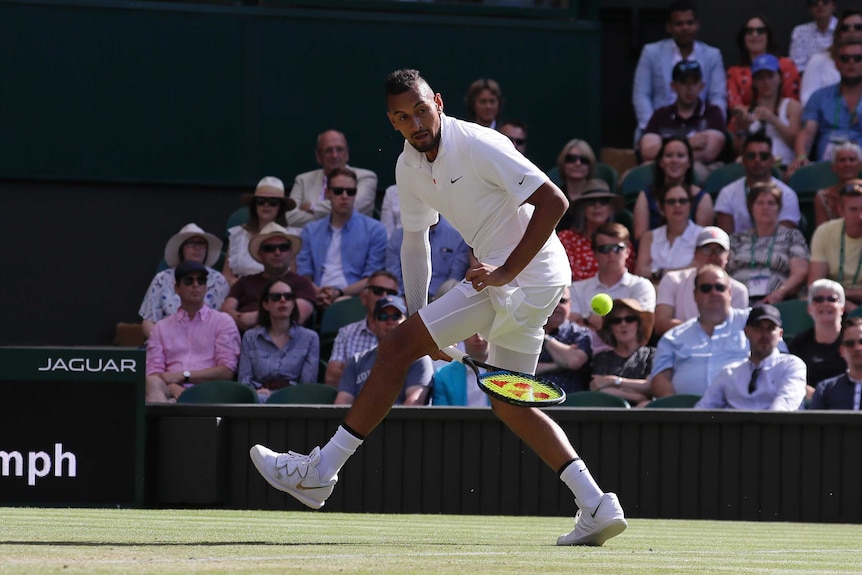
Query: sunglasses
[[272, 248], [394, 316], [677, 202], [755, 155], [379, 291], [608, 248], [851, 342], [823, 298], [849, 27], [192, 280], [752, 30], [625, 318], [195, 243], [574, 158], [846, 58], [338, 191], [592, 202], [278, 296], [267, 201], [706, 288], [518, 141]]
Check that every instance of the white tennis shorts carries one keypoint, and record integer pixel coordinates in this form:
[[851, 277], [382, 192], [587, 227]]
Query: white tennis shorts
[[509, 317]]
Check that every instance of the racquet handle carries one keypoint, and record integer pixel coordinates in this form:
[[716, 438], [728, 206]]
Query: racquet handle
[[455, 353]]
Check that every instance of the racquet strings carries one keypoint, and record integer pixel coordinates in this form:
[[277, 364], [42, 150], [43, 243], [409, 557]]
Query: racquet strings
[[518, 387]]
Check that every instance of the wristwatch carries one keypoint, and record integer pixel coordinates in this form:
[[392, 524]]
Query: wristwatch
[[186, 375], [618, 381]]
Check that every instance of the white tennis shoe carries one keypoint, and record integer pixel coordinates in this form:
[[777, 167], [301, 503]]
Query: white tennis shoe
[[293, 473], [595, 527]]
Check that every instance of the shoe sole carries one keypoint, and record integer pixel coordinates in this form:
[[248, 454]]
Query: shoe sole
[[305, 500], [610, 531]]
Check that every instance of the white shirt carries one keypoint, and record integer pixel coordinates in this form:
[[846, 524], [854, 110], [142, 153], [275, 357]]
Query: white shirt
[[390, 211], [732, 200], [806, 40], [479, 182], [333, 271], [676, 289], [630, 285], [666, 255], [819, 73]]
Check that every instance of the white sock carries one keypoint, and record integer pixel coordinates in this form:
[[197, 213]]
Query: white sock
[[335, 454], [577, 477]]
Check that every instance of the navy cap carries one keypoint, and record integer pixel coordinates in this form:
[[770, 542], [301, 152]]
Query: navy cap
[[686, 68], [189, 267], [764, 311]]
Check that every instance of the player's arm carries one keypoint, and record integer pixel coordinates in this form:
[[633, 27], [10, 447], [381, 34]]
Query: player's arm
[[416, 268], [550, 204]]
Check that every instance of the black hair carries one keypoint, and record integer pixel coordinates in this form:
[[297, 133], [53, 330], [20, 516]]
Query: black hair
[[402, 80], [771, 46], [263, 317], [681, 6], [758, 137]]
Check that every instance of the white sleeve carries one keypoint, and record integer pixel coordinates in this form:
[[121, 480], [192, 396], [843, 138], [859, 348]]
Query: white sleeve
[[416, 268]]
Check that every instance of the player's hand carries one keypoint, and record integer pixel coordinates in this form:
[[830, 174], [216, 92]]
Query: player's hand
[[485, 275]]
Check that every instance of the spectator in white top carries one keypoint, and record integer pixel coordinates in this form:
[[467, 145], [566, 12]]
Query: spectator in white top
[[815, 36], [821, 71], [731, 208]]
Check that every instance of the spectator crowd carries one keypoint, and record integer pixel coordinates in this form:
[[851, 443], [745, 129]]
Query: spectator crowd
[[704, 279]]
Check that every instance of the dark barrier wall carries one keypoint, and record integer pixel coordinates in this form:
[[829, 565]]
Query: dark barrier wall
[[662, 463], [107, 107]]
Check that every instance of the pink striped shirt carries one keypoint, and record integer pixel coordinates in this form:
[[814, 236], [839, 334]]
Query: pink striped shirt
[[178, 343]]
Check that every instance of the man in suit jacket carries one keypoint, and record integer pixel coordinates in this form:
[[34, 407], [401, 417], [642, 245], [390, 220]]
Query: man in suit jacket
[[653, 74], [309, 188]]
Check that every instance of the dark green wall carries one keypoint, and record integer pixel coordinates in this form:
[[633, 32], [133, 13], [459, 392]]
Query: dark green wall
[[122, 121]]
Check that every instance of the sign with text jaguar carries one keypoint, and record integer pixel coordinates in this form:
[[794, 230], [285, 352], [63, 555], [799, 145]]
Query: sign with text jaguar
[[71, 426]]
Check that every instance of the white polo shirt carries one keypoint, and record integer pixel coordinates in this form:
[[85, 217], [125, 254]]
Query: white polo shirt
[[479, 183], [732, 200]]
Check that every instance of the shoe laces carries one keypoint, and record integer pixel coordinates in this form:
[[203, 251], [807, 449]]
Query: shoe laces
[[298, 462]]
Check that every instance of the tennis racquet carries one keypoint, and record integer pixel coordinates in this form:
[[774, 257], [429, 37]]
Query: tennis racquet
[[510, 386]]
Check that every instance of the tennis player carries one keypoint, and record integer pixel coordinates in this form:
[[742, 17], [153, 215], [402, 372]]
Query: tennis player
[[506, 210]]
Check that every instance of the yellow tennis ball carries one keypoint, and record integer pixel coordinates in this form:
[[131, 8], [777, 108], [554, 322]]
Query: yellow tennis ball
[[602, 304]]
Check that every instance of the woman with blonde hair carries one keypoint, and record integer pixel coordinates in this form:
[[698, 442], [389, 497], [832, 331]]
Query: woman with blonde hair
[[576, 163]]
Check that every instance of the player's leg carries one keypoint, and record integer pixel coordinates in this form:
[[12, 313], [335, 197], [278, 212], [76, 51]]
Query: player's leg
[[311, 478]]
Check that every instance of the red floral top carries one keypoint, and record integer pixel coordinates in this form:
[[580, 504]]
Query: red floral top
[[582, 259], [739, 83]]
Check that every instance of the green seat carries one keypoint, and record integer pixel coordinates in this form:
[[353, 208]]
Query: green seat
[[340, 314], [594, 399], [681, 400], [808, 179], [307, 393], [722, 176], [635, 180], [218, 392], [237, 218], [794, 317]]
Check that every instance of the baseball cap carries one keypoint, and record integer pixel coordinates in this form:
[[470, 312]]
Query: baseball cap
[[189, 267], [685, 69], [764, 311], [713, 235], [390, 301], [764, 62]]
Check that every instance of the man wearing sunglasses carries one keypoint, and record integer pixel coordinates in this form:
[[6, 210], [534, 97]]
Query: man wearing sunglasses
[[195, 344], [274, 248], [611, 246], [731, 206], [652, 81], [515, 130], [357, 337], [768, 380], [812, 37], [833, 114], [309, 188], [690, 355], [836, 246], [389, 312], [844, 391], [699, 122], [675, 293], [338, 252]]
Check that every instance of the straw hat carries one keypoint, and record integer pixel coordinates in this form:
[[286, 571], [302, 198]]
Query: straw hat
[[172, 248], [647, 320], [598, 188], [270, 187], [272, 230]]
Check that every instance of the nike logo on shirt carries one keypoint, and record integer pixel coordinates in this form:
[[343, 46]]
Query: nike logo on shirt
[[452, 181], [522, 179]]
